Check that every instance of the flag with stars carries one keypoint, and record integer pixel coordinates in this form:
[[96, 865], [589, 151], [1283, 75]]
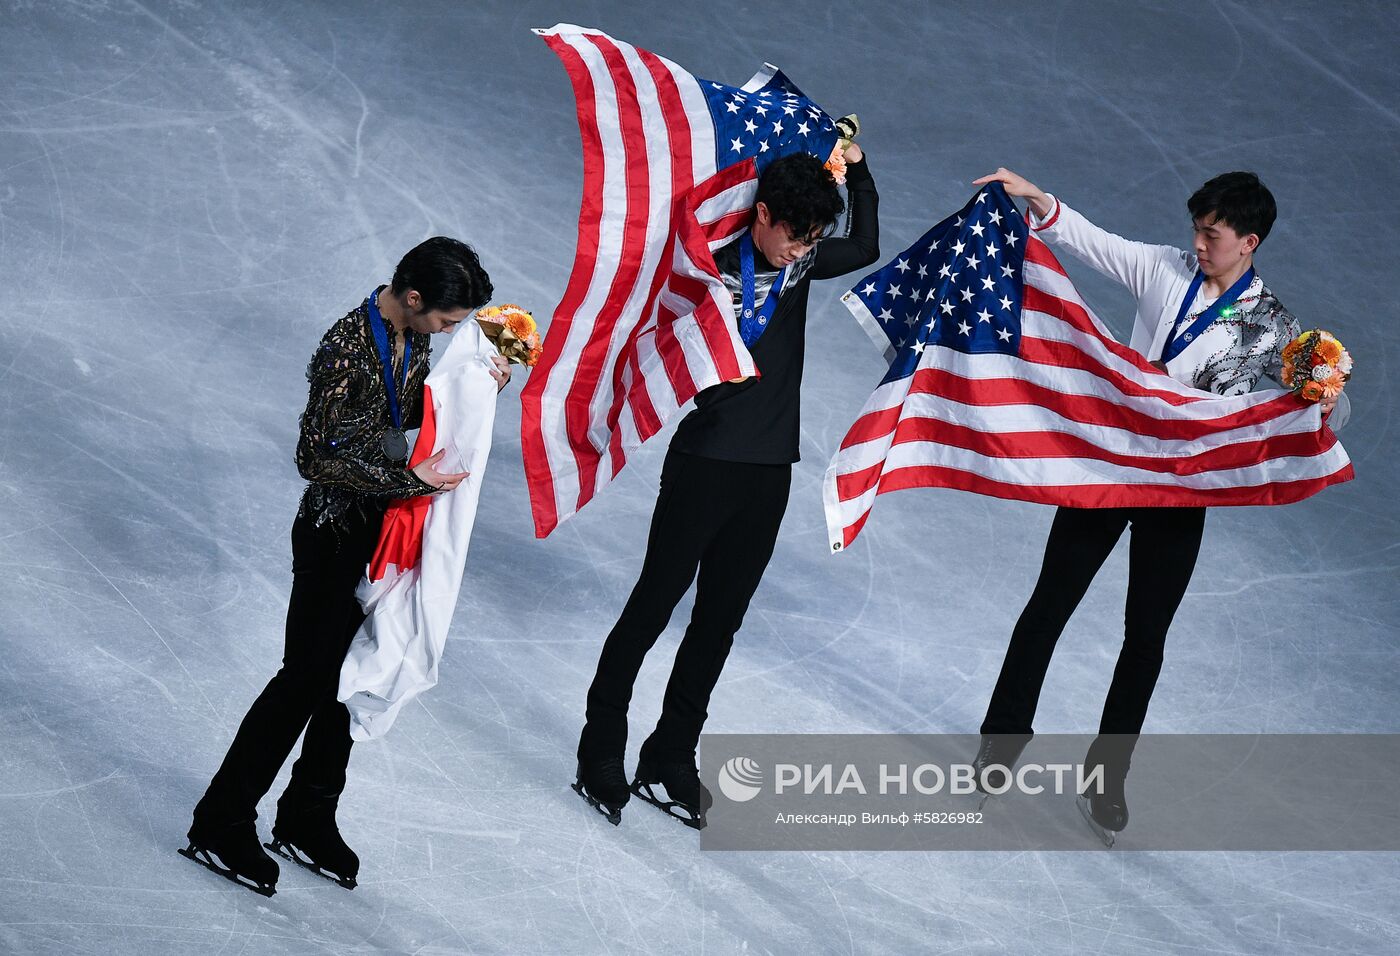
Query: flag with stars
[[670, 169], [1003, 383]]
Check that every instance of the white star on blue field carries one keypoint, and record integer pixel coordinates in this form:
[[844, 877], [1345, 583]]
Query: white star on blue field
[[774, 121], [959, 285]]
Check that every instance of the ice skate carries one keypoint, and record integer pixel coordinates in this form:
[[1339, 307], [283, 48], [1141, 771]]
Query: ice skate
[[315, 843], [996, 758], [603, 784], [235, 854], [686, 798], [1106, 813]]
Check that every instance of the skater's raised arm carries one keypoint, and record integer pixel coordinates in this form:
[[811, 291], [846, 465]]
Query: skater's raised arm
[[861, 246]]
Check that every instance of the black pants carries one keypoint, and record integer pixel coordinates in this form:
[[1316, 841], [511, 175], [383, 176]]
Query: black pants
[[722, 518], [1161, 558], [322, 618]]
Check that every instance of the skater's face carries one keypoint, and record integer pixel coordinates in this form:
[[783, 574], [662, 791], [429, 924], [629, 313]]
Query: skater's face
[[438, 320], [422, 320], [777, 241], [1218, 247]]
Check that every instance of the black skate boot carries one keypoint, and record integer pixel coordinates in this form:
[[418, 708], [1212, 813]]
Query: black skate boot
[[306, 833], [687, 799], [603, 784], [235, 854], [1106, 812], [995, 760]]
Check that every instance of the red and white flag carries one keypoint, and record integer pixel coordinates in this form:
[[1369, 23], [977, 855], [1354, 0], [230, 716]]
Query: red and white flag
[[410, 587], [1003, 383], [670, 169]]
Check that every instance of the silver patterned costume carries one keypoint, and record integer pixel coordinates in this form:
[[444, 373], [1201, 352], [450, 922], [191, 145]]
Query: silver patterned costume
[[1231, 355]]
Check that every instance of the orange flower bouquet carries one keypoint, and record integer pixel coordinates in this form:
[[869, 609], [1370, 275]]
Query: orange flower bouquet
[[513, 331], [1316, 366], [849, 128]]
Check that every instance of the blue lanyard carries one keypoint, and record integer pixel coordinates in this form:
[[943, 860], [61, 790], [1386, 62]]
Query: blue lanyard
[[1179, 339], [386, 358], [752, 325]]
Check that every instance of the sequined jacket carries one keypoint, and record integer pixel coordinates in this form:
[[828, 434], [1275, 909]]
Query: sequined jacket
[[1229, 356], [347, 413]]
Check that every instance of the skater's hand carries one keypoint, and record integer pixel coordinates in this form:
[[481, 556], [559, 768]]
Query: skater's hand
[[1017, 185], [441, 480], [1327, 405], [853, 153], [501, 373]]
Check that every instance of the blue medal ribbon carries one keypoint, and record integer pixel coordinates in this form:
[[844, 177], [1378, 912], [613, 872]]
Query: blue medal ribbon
[[394, 443], [753, 322], [1179, 338], [386, 357]]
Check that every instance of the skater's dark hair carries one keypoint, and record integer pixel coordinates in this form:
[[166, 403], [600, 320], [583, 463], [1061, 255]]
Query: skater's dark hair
[[799, 191], [1239, 200], [446, 273]]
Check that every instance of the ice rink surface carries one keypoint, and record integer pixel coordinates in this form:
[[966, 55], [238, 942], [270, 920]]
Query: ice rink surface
[[191, 192]]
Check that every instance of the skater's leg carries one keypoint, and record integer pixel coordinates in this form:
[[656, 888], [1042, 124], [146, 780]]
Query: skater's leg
[[730, 571], [687, 508], [1079, 542], [1161, 559], [327, 565], [306, 830], [318, 776]]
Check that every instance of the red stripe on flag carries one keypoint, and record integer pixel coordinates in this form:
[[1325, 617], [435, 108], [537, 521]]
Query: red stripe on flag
[[590, 370], [728, 225], [539, 475], [1077, 317], [1084, 409], [853, 484], [682, 179], [673, 354], [1064, 355], [637, 393], [849, 534], [1048, 444], [714, 325], [1039, 253], [1111, 495]]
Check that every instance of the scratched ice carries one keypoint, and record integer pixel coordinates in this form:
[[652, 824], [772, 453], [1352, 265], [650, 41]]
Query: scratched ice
[[190, 192]]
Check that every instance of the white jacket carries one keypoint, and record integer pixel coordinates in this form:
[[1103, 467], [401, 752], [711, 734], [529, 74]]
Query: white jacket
[[1231, 355]]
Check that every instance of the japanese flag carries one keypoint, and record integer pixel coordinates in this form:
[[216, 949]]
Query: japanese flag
[[410, 587]]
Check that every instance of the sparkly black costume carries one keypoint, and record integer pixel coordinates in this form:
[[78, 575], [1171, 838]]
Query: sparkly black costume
[[347, 412], [333, 538]]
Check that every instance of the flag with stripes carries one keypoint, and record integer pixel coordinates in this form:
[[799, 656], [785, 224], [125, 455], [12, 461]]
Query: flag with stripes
[[670, 169], [1003, 383]]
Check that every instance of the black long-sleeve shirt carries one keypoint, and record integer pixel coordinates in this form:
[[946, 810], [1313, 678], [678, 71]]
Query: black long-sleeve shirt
[[347, 414], [757, 420]]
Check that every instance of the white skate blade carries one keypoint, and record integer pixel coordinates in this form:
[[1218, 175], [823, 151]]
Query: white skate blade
[[1103, 833]]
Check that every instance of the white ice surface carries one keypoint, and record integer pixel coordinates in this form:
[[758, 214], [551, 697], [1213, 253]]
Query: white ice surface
[[191, 191]]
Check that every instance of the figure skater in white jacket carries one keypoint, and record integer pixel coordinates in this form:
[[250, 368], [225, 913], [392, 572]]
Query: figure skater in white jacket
[[1205, 318]]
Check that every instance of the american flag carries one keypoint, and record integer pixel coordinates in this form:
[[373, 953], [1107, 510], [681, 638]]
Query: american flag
[[1003, 383], [670, 169]]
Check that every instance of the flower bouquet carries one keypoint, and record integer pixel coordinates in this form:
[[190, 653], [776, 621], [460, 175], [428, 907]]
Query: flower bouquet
[[849, 128], [1316, 366], [513, 331]]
